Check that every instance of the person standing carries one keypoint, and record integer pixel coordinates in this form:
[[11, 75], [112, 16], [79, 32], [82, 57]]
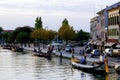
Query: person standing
[[85, 56], [80, 52], [72, 52]]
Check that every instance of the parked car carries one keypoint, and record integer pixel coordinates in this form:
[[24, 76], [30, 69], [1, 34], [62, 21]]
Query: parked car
[[88, 50], [108, 51], [116, 52], [95, 52], [68, 48]]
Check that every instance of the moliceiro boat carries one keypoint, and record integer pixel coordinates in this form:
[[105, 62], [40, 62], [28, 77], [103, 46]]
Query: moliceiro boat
[[46, 55], [97, 68]]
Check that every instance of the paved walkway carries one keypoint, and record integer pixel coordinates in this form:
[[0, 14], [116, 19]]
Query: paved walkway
[[68, 55]]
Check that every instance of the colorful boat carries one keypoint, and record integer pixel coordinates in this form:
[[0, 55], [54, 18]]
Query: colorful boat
[[101, 68]]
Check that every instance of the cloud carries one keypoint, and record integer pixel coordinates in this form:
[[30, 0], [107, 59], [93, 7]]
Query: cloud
[[43, 7], [75, 10]]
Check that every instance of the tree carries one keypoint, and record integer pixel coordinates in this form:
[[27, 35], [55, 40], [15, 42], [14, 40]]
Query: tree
[[38, 34], [23, 37], [38, 23], [65, 22], [51, 34], [82, 35], [66, 32], [16, 36], [5, 36], [1, 29]]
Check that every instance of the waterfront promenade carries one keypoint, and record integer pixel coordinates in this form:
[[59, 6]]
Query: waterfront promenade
[[68, 55]]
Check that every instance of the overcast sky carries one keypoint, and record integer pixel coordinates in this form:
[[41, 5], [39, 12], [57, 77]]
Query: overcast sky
[[16, 13]]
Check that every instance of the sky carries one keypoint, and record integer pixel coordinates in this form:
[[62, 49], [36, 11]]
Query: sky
[[19, 13]]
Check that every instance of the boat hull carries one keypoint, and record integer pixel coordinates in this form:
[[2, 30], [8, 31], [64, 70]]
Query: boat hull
[[89, 68], [42, 55]]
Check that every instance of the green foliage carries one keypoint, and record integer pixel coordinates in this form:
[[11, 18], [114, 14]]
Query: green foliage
[[65, 22], [18, 32], [66, 32], [23, 37], [10, 39], [5, 36], [51, 34], [82, 35], [1, 29], [37, 34], [38, 23], [43, 34]]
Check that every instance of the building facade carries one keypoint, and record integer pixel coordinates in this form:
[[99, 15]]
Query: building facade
[[101, 23], [98, 30], [93, 29], [106, 26], [113, 23]]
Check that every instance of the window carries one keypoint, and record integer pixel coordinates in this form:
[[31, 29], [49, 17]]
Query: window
[[117, 19]]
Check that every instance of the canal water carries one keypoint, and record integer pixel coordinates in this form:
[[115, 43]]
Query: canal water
[[25, 66]]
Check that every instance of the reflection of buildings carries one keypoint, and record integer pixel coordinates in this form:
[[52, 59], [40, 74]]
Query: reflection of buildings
[[105, 28]]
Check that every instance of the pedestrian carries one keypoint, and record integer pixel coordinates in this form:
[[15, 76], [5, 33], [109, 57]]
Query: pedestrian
[[100, 58], [104, 55], [72, 52], [80, 52], [82, 60], [85, 56]]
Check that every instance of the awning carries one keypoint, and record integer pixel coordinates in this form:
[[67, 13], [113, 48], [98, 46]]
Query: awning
[[109, 44]]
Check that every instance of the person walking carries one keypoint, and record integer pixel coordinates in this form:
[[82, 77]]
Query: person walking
[[72, 52]]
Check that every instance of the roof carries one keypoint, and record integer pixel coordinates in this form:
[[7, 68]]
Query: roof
[[9, 31], [101, 12], [113, 6]]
